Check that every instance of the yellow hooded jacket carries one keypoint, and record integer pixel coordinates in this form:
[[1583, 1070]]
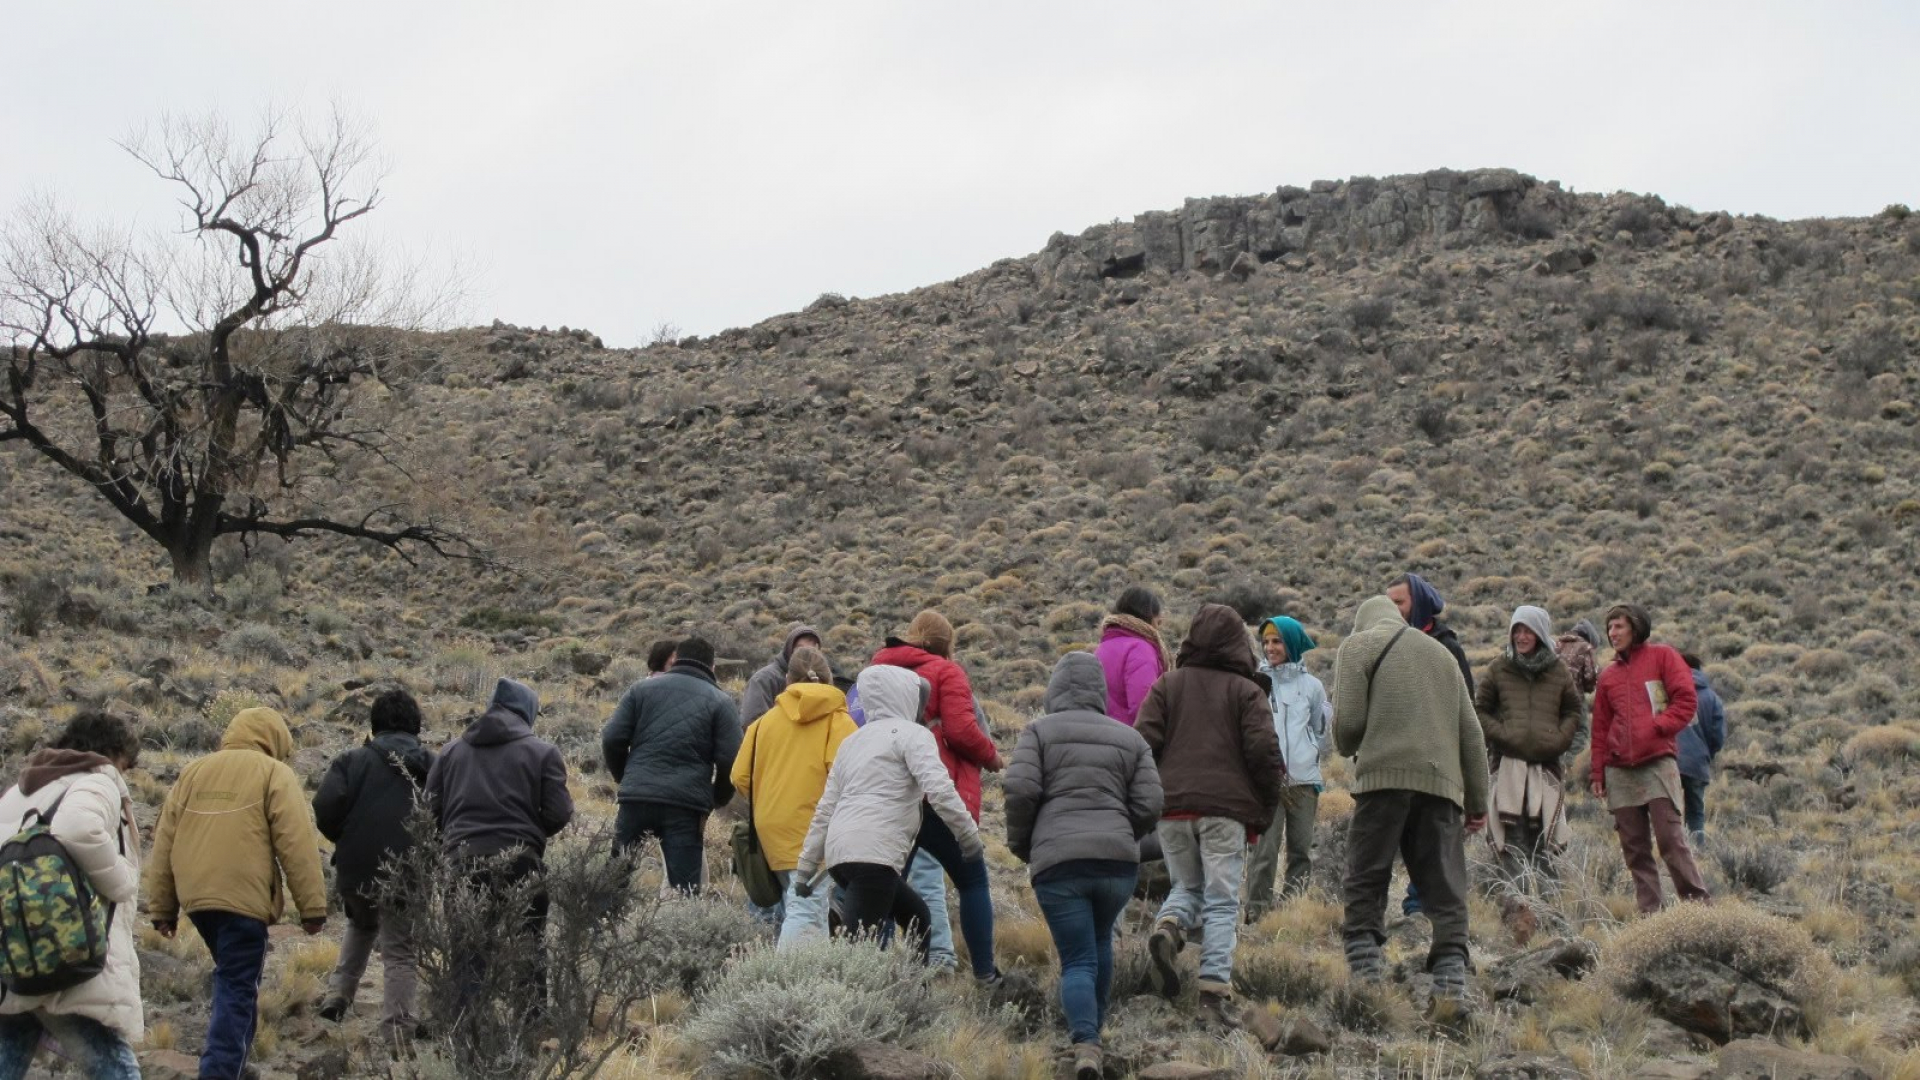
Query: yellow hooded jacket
[[233, 822], [789, 751]]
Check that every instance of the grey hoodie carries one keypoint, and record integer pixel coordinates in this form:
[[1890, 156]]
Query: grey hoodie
[[766, 684], [1082, 785], [498, 786]]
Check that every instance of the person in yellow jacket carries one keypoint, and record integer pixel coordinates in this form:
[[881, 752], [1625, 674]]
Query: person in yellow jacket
[[782, 770], [233, 823]]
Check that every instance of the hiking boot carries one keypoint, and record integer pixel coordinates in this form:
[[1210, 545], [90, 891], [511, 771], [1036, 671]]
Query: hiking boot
[[334, 1009], [1216, 1009], [1164, 946], [1087, 1061], [1450, 978], [1365, 961]]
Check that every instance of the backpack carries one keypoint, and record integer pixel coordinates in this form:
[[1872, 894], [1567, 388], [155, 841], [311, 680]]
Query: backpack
[[53, 926]]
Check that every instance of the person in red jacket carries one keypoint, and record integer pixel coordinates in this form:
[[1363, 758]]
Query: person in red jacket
[[1644, 699], [926, 649]]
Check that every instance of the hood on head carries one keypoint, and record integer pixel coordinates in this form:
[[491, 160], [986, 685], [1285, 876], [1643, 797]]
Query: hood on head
[[517, 698], [794, 634], [1427, 602], [259, 729], [1292, 635], [803, 703], [1586, 630], [1375, 612], [1078, 683], [1218, 639], [890, 693], [1535, 619]]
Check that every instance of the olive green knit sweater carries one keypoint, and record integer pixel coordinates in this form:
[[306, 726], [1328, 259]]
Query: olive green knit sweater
[[1413, 727]]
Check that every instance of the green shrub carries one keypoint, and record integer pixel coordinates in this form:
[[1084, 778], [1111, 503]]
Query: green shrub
[[783, 1014]]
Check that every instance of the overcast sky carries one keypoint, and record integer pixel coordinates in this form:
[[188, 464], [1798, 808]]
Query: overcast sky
[[709, 164]]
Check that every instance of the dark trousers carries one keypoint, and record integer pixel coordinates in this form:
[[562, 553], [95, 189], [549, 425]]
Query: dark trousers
[[498, 881], [1695, 793], [970, 881], [682, 834], [1639, 827], [871, 896], [1430, 834], [239, 947]]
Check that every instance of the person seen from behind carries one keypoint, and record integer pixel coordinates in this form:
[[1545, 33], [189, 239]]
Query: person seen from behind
[[362, 806], [670, 744], [1579, 650], [1419, 788], [770, 680], [1211, 732], [233, 824], [926, 649], [1081, 792], [1301, 714], [864, 826], [77, 787], [1529, 710], [1698, 745], [1132, 653], [1645, 699], [782, 769], [660, 657], [1422, 606]]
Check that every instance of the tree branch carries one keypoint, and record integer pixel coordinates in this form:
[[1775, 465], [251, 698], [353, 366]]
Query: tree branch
[[427, 534]]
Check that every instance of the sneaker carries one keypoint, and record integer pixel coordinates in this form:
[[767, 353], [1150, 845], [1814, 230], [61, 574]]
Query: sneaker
[[1087, 1061], [334, 1009], [1164, 946]]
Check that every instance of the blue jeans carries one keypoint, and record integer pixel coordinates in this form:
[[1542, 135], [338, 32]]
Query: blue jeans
[[1080, 913], [94, 1048], [1207, 861], [803, 918], [970, 879], [239, 947], [1695, 794], [927, 879]]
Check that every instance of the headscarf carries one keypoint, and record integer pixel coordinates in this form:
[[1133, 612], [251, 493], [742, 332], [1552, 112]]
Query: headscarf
[[1427, 604], [1291, 634]]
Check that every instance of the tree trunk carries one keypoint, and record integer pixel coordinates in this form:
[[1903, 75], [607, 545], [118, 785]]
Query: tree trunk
[[192, 564]]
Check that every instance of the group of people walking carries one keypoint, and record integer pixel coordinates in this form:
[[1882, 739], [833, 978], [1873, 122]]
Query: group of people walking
[[864, 797]]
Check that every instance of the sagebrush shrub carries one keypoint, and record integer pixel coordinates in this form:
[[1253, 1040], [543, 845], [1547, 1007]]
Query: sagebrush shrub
[[1763, 947], [782, 1014], [1889, 744], [694, 937]]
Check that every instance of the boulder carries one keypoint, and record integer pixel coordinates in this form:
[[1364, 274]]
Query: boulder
[[1566, 260], [1184, 1070], [1526, 1067], [1525, 977], [1294, 1036], [878, 1061], [1673, 1069], [1705, 996], [1759, 1059]]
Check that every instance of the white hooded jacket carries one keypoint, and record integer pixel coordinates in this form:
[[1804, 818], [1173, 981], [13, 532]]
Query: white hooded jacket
[[870, 811]]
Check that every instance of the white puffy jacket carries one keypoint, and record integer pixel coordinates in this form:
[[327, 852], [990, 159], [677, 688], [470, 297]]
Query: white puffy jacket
[[870, 811], [94, 830]]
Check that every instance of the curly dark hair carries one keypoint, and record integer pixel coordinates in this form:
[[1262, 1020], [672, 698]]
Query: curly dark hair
[[395, 710], [96, 732]]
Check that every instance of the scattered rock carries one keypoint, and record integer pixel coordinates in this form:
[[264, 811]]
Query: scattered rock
[[327, 1065], [1759, 1059], [1183, 1070], [1566, 260], [1526, 977], [878, 1061], [1526, 1067], [1670, 1040], [1674, 1069], [1708, 997]]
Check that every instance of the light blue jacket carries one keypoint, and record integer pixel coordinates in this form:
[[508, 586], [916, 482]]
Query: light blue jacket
[[1301, 717]]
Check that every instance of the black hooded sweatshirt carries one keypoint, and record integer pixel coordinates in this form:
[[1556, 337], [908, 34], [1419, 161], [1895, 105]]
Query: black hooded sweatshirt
[[363, 804]]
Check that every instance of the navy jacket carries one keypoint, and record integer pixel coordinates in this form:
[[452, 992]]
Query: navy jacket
[[1700, 743]]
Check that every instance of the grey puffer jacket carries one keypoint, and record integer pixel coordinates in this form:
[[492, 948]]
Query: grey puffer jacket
[[673, 739], [1082, 785]]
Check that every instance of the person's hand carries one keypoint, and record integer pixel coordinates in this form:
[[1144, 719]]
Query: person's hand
[[1476, 822], [166, 928], [997, 764], [1599, 788], [313, 926]]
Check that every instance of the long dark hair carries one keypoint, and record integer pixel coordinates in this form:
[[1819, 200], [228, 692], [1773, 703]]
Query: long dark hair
[[1139, 602]]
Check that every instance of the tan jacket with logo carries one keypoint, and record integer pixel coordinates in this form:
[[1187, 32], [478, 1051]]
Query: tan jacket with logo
[[234, 821]]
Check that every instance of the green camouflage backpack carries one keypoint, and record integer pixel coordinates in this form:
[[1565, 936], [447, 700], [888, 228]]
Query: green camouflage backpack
[[53, 926]]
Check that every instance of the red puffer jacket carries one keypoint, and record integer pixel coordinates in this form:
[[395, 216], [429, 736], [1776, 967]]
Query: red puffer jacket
[[1645, 699], [964, 748]]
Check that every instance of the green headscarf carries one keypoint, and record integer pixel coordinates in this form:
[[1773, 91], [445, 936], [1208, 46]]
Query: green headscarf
[[1292, 635]]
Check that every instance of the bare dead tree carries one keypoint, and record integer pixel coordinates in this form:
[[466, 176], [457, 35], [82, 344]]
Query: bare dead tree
[[209, 383]]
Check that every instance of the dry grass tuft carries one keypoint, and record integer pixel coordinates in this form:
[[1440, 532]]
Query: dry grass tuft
[[1761, 946]]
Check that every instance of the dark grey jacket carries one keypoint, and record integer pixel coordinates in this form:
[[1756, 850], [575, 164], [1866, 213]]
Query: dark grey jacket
[[673, 739], [363, 804], [766, 684], [498, 786], [1082, 785]]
